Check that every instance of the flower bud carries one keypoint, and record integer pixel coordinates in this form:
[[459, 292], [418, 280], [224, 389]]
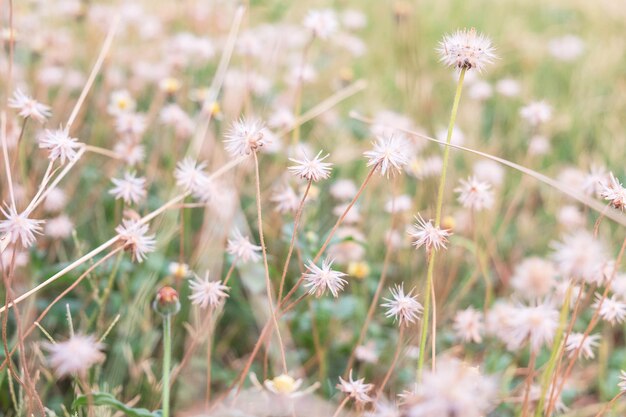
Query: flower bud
[[166, 302]]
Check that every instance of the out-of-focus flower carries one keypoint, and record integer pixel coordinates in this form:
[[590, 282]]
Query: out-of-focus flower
[[74, 356], [134, 236], [29, 107]]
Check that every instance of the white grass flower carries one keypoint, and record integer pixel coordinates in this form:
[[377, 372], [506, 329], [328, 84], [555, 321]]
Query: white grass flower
[[311, 169], [404, 308], [611, 310], [74, 356], [575, 341], [536, 113], [130, 151], [18, 226], [475, 195], [240, 247], [244, 137], [424, 233], [135, 239], [206, 293], [29, 107], [130, 188], [468, 325], [322, 23], [358, 390], [319, 280], [389, 155], [466, 49], [59, 145], [615, 193], [190, 175]]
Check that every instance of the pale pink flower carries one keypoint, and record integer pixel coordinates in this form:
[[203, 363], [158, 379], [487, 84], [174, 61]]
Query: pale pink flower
[[357, 390], [319, 280], [29, 107], [74, 356], [134, 236], [206, 293]]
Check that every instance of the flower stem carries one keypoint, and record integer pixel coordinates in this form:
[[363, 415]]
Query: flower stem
[[438, 210], [167, 357]]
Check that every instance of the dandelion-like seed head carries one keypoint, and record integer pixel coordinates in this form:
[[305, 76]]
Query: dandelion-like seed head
[[404, 308], [28, 107], [240, 247], [425, 233], [244, 137], [319, 280], [130, 188], [614, 192], [59, 145], [311, 169], [18, 226], [135, 239], [206, 293], [475, 195], [389, 154], [357, 390], [466, 49]]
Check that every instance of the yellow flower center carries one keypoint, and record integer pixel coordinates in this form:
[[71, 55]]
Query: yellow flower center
[[284, 384], [358, 270]]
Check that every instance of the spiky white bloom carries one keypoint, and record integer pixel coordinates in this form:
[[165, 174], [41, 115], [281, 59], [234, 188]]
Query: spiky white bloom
[[356, 389], [190, 175], [389, 154], [319, 280], [74, 356], [536, 113], [475, 195], [18, 226], [454, 389], [311, 169], [29, 107], [244, 137], [404, 308], [135, 239], [536, 325], [206, 293], [59, 145], [285, 198], [615, 193], [580, 256], [59, 227], [534, 278], [586, 345], [425, 233], [466, 49], [240, 247], [130, 188], [322, 23], [622, 381], [610, 309], [468, 325]]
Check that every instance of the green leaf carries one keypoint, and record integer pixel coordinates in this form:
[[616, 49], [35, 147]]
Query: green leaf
[[104, 398]]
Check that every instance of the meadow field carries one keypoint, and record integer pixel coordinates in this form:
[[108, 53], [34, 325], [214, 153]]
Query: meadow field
[[267, 208]]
